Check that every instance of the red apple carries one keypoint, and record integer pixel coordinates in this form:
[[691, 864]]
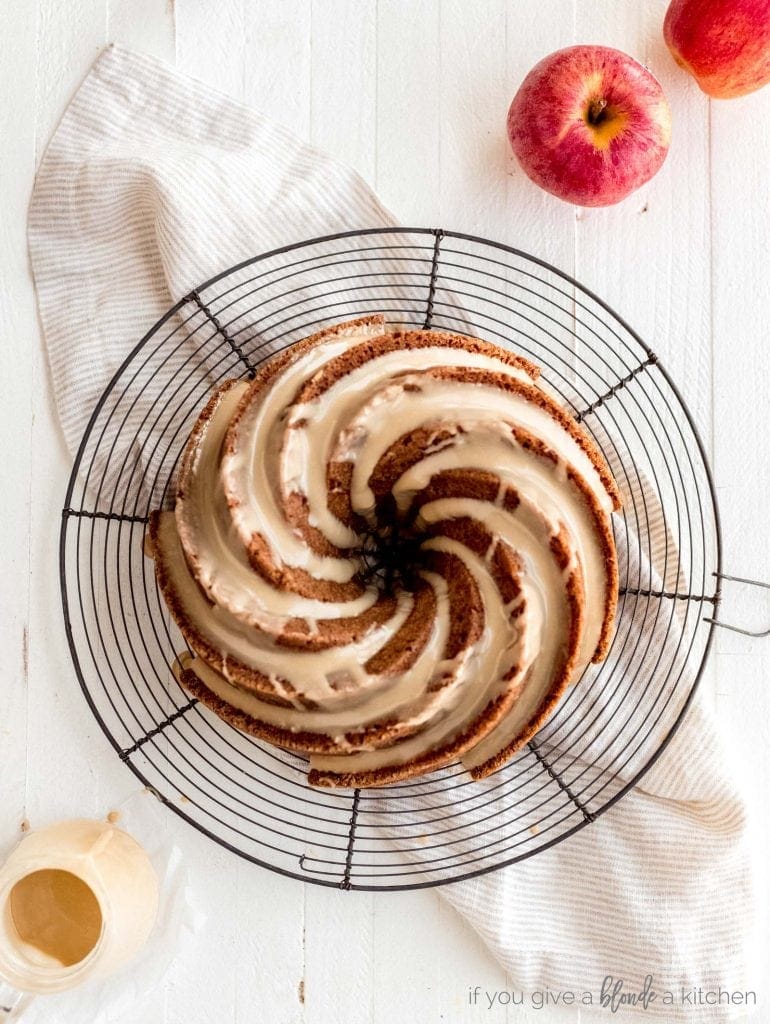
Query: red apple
[[590, 125], [724, 44]]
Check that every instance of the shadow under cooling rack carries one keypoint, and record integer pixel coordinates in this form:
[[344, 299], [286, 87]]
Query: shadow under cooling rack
[[253, 798]]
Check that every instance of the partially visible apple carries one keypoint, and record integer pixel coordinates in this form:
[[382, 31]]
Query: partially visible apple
[[724, 44], [589, 124]]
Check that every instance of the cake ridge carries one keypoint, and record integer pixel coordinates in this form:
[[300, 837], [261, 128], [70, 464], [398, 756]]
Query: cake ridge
[[390, 549]]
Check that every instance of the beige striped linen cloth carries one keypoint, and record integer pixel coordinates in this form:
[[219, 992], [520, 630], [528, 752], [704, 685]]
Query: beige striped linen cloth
[[151, 184]]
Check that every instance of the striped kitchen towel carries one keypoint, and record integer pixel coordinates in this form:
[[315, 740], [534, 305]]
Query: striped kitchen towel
[[151, 184]]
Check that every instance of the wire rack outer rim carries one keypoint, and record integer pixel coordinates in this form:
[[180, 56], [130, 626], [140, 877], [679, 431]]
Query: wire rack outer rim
[[307, 243]]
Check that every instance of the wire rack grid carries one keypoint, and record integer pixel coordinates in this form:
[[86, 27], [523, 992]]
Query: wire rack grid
[[253, 798]]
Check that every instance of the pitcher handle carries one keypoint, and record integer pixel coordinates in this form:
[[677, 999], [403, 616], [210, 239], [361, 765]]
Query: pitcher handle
[[13, 1002]]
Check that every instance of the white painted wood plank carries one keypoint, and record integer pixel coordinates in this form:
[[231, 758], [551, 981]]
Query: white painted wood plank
[[265, 933], [339, 955], [464, 963], [212, 47], [70, 37], [408, 167], [406, 977], [470, 190], [343, 81], [146, 25], [474, 96], [740, 151], [17, 125], [276, 63], [205, 985]]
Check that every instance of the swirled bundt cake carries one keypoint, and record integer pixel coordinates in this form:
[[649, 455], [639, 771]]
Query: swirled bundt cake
[[390, 550]]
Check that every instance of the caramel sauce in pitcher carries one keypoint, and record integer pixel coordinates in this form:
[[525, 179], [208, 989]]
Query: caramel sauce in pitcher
[[55, 912]]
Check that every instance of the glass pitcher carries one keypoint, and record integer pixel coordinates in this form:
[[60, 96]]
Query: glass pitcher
[[77, 900]]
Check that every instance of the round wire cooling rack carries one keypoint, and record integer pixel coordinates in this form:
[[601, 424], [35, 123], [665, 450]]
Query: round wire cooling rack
[[253, 798]]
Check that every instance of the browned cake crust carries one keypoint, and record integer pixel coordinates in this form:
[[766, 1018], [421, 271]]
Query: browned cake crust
[[494, 712], [257, 548], [237, 643]]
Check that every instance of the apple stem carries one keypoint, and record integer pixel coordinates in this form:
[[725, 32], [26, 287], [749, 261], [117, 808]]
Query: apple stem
[[596, 111]]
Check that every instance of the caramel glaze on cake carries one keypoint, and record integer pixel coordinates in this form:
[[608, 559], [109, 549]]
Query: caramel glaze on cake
[[390, 550]]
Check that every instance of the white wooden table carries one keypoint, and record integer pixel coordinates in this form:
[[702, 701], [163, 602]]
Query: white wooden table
[[413, 93]]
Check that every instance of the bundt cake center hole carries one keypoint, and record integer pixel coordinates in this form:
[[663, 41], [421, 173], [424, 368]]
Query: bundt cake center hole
[[390, 557]]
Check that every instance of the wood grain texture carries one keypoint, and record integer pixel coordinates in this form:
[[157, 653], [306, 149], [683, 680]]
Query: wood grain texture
[[279, 86], [343, 81], [414, 95], [17, 319], [69, 38], [740, 144], [408, 144], [147, 25]]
